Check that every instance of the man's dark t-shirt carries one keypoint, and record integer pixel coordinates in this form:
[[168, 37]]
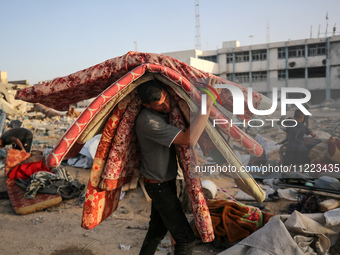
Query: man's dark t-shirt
[[155, 137], [23, 134]]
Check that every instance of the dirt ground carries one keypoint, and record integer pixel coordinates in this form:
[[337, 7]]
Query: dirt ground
[[57, 230]]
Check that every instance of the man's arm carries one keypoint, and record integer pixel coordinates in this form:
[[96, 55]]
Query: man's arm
[[310, 132], [193, 133], [18, 142]]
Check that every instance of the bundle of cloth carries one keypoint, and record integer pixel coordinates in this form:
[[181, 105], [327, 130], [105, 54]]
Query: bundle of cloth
[[113, 114], [234, 220]]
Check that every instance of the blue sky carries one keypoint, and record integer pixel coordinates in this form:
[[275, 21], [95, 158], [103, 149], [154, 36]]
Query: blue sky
[[42, 40]]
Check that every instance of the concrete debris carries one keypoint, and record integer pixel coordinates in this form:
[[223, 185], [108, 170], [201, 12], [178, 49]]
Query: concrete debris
[[48, 112], [72, 112], [7, 101]]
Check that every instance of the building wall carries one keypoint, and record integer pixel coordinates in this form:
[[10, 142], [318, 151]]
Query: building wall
[[205, 65], [312, 63], [184, 55]]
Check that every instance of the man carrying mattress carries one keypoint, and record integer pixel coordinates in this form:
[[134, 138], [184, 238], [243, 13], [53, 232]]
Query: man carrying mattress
[[156, 138]]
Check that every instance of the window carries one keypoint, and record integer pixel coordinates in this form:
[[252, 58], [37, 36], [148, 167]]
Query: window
[[297, 73], [259, 76], [281, 74], [317, 49], [230, 77], [209, 58], [293, 52], [242, 56], [229, 58], [296, 51], [281, 53], [316, 72], [258, 55], [242, 77]]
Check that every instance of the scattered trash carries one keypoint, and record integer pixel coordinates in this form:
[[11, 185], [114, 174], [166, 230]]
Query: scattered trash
[[289, 194], [124, 247], [209, 189], [36, 221]]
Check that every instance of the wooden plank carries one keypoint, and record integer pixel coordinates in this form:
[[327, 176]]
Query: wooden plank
[[134, 182], [141, 183], [126, 187]]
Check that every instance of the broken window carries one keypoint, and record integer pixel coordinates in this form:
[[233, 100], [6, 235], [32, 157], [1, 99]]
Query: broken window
[[317, 72], [258, 55], [297, 73], [259, 76], [242, 56], [317, 49]]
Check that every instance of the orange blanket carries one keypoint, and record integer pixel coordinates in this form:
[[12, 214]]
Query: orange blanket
[[235, 220]]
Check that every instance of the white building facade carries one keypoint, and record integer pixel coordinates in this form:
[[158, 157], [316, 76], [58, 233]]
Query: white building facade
[[312, 63]]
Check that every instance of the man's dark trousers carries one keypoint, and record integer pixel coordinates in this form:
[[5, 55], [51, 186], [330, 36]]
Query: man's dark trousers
[[167, 214]]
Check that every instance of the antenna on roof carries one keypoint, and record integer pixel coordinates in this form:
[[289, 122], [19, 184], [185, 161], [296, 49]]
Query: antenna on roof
[[268, 32], [197, 25], [311, 29], [326, 24]]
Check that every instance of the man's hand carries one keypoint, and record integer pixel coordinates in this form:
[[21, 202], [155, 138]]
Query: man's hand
[[211, 81], [193, 133]]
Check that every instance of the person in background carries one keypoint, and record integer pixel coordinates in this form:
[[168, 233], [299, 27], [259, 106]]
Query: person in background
[[296, 153], [20, 138]]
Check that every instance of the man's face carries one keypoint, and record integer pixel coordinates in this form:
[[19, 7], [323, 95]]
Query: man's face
[[163, 105]]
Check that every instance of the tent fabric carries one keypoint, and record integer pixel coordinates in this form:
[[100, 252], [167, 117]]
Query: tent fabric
[[290, 234], [112, 82]]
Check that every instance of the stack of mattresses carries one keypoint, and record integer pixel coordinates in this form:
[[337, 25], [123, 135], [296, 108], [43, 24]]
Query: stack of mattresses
[[113, 112]]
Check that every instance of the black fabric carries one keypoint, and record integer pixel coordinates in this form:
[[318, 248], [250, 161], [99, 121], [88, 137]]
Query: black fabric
[[307, 203], [65, 189]]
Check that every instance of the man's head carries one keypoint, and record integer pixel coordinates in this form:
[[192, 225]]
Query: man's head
[[299, 116], [154, 96]]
